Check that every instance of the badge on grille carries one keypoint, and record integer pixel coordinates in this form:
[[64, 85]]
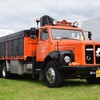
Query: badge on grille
[[88, 58]]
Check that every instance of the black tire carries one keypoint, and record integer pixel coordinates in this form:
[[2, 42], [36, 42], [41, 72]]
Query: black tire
[[0, 70], [93, 80], [53, 76], [5, 73]]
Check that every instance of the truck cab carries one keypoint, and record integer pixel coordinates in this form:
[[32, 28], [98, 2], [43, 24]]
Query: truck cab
[[66, 53]]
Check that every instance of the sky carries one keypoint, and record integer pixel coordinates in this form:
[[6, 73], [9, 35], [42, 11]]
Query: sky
[[21, 14]]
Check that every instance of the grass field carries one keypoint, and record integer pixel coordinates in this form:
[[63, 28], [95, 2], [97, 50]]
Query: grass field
[[28, 89]]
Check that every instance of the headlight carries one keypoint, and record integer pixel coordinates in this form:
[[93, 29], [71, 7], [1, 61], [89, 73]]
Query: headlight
[[67, 59], [54, 22], [75, 24]]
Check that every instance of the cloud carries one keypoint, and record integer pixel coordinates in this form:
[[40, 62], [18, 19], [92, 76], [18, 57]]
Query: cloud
[[21, 14]]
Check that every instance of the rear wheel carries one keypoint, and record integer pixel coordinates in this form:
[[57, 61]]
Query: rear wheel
[[0, 70], [53, 76], [5, 73]]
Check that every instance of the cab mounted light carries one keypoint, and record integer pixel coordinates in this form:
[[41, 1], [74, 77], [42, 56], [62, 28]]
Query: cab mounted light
[[54, 21], [37, 21], [75, 24]]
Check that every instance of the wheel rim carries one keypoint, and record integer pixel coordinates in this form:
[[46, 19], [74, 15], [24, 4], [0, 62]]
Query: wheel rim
[[50, 74], [4, 72]]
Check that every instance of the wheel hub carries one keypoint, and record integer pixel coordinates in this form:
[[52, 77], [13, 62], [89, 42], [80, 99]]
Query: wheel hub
[[4, 72], [50, 75]]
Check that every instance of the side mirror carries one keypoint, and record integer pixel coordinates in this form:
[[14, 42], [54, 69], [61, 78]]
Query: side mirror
[[90, 35]]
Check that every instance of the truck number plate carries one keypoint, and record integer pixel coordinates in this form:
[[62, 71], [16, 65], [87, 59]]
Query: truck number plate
[[97, 73]]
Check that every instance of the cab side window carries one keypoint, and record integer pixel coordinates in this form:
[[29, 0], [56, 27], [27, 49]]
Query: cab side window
[[44, 35]]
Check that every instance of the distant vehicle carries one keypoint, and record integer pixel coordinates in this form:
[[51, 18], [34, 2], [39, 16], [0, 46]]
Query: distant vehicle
[[55, 51]]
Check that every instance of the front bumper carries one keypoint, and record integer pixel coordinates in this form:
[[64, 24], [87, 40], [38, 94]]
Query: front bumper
[[80, 68]]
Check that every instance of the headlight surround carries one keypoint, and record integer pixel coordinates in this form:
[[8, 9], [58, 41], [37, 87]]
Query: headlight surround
[[67, 59]]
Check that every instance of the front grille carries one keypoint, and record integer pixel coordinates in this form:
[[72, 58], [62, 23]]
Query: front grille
[[97, 50], [89, 51]]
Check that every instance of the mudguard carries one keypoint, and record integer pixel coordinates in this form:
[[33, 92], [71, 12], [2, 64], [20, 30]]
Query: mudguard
[[58, 57]]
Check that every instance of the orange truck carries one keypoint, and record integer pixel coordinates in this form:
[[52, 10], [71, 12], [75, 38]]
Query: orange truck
[[56, 51]]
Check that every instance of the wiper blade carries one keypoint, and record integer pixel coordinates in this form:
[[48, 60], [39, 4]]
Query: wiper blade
[[65, 38]]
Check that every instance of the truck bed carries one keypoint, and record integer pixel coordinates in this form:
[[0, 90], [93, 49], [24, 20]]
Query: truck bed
[[17, 46]]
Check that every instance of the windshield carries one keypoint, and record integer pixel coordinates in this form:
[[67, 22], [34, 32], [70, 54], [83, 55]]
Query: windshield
[[66, 34]]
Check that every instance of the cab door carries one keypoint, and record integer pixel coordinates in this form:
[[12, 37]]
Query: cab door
[[43, 45]]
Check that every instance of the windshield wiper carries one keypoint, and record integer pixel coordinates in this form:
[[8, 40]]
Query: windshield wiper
[[65, 38]]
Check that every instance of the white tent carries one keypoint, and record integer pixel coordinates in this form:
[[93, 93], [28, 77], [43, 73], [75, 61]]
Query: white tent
[[93, 25]]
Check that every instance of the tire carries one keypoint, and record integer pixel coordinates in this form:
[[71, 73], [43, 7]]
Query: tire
[[93, 80], [53, 76], [0, 70], [5, 73]]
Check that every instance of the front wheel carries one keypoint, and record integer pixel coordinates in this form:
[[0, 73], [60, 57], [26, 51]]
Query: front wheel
[[53, 76], [93, 80]]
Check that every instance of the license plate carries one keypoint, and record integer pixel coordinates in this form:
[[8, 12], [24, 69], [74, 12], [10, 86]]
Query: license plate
[[97, 73]]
